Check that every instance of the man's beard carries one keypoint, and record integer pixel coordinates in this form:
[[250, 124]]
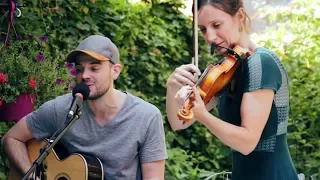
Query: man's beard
[[98, 95]]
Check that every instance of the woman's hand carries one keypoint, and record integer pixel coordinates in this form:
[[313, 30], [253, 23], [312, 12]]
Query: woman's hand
[[182, 94], [183, 76], [198, 105]]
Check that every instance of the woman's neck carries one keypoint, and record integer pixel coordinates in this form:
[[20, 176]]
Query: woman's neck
[[246, 42]]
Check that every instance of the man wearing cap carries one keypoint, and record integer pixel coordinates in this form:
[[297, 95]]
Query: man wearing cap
[[125, 132]]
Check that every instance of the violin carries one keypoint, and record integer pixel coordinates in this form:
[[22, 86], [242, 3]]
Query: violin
[[215, 78]]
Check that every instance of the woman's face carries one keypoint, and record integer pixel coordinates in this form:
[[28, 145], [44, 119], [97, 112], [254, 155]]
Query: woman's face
[[219, 27]]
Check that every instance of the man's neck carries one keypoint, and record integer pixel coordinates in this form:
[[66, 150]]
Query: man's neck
[[106, 107]]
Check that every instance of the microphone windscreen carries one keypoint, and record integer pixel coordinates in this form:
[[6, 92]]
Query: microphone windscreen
[[83, 89], [213, 47]]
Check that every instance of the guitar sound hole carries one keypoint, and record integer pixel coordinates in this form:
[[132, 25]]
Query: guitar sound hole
[[62, 176]]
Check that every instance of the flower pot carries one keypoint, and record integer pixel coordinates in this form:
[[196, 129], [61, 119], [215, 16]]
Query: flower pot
[[14, 111]]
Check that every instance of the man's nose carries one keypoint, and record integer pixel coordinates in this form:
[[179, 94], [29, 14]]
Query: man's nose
[[85, 74]]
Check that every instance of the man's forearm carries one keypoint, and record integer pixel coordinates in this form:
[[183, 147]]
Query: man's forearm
[[17, 154]]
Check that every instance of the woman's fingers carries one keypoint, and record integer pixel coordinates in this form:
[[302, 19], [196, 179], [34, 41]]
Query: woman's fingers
[[196, 94], [191, 68], [182, 80], [182, 94], [183, 75]]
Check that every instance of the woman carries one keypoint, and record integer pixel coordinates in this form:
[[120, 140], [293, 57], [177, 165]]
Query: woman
[[254, 120]]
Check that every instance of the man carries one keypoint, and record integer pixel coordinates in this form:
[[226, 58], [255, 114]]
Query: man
[[123, 131]]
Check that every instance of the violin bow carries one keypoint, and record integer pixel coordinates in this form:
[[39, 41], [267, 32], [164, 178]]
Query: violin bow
[[195, 33], [195, 39]]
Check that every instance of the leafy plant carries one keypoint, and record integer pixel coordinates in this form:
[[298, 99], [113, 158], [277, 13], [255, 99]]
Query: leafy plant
[[27, 66], [4, 162], [296, 39]]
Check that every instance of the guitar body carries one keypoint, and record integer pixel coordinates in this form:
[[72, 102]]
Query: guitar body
[[61, 166]]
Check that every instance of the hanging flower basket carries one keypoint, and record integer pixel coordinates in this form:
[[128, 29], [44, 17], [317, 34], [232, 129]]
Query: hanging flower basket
[[14, 111], [29, 67]]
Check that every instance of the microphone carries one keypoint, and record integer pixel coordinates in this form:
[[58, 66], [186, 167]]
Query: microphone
[[213, 47], [80, 93], [230, 51]]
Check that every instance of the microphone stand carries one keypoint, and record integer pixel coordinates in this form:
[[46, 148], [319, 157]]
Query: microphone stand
[[40, 164]]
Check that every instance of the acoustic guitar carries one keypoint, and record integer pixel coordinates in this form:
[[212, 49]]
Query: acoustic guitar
[[61, 165]]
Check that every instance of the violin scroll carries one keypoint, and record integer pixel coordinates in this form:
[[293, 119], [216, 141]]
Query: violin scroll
[[186, 113]]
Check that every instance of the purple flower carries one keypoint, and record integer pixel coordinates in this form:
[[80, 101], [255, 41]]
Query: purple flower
[[18, 37], [73, 72], [44, 38], [69, 65], [71, 87], [40, 57], [29, 36], [59, 81]]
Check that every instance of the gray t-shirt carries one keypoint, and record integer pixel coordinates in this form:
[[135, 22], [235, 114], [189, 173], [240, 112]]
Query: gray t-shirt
[[135, 135]]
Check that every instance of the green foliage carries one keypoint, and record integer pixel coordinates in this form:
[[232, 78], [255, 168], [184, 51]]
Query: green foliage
[[4, 162], [296, 39], [154, 38]]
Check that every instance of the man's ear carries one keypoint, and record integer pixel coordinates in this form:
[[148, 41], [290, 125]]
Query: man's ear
[[115, 71]]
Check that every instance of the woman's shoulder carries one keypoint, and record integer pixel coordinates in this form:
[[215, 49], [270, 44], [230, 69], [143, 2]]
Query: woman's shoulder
[[264, 58], [263, 54], [263, 70]]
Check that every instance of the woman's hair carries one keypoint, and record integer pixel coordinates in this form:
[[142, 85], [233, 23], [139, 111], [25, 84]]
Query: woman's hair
[[229, 6]]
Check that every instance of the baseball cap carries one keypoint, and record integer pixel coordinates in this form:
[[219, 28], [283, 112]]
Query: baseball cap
[[98, 47]]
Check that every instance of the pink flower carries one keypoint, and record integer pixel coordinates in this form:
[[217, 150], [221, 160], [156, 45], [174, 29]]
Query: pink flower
[[3, 78], [32, 83]]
